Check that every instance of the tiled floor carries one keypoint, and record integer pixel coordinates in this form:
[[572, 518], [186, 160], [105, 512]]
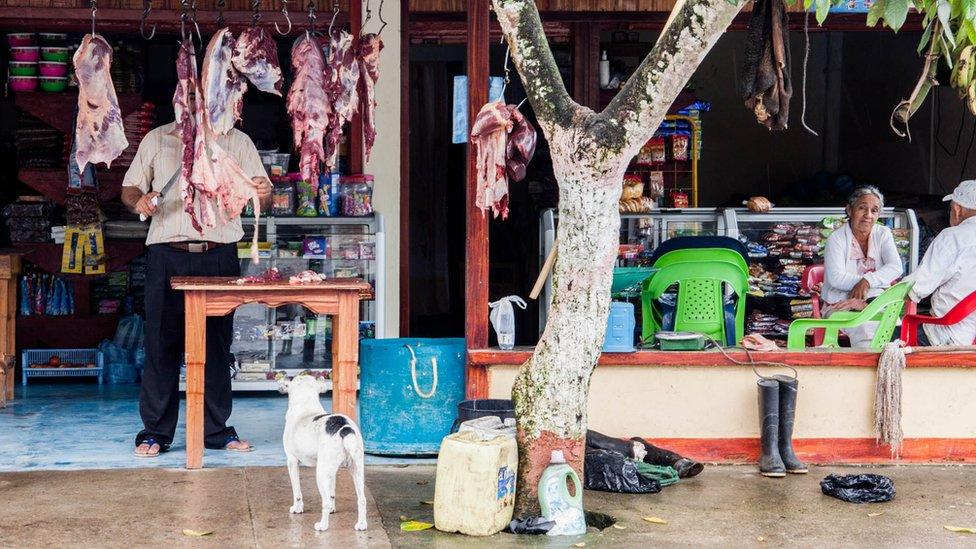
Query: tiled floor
[[87, 426]]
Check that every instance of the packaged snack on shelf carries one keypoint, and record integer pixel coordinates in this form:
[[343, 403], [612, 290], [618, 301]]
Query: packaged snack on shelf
[[367, 250], [307, 198], [316, 247], [345, 248], [282, 197], [679, 147], [655, 185], [658, 148], [644, 157], [348, 269], [633, 186], [329, 202], [679, 199], [357, 195]]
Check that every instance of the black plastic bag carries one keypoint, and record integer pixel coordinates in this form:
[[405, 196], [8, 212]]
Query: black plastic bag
[[608, 471], [859, 488], [534, 526]]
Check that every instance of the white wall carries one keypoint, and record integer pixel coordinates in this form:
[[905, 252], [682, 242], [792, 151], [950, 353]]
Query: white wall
[[385, 162]]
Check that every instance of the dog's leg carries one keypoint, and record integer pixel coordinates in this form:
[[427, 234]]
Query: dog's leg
[[357, 472], [325, 474], [297, 506]]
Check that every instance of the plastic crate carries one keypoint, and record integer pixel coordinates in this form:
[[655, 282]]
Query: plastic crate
[[38, 356]]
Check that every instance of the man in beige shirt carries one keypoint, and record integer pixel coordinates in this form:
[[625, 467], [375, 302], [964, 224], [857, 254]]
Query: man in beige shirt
[[175, 248]]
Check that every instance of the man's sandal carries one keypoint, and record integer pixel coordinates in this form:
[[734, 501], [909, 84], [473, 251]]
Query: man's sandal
[[235, 438], [149, 441]]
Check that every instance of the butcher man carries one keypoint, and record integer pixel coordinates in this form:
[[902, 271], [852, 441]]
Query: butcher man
[[175, 248]]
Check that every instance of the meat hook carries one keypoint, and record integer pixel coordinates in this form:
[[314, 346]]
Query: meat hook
[[369, 15], [256, 16], [142, 24], [193, 19], [221, 4], [335, 13], [311, 16], [380, 15], [94, 7], [284, 12]]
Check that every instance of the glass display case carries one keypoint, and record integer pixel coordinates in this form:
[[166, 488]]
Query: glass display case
[[290, 338], [781, 243]]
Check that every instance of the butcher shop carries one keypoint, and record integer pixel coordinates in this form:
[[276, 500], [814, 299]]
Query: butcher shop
[[369, 192]]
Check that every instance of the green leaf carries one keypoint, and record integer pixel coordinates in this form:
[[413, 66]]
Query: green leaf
[[969, 10], [895, 13], [823, 7], [970, 30], [926, 36], [808, 3], [960, 529], [944, 10], [415, 526], [876, 11]]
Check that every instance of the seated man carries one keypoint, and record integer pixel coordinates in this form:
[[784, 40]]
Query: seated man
[[948, 270]]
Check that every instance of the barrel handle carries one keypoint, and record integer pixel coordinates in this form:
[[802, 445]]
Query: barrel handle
[[413, 374]]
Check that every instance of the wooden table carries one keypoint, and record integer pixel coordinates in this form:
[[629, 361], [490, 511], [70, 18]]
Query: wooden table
[[213, 296]]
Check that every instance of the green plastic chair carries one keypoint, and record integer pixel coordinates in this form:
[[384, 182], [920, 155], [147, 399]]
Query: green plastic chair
[[703, 254], [700, 298], [885, 309]]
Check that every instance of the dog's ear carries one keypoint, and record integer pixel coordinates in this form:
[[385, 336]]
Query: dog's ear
[[323, 384], [283, 385]]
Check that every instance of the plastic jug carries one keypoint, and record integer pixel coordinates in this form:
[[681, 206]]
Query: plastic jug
[[474, 491], [620, 328], [502, 317], [557, 503]]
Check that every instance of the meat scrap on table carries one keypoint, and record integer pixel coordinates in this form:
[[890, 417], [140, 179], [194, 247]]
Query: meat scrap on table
[[505, 143], [99, 134]]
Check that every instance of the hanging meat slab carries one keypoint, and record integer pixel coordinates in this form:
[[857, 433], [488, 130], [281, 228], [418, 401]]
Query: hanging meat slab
[[186, 86], [368, 55], [489, 134], [308, 104], [256, 57], [521, 145], [99, 133], [342, 80], [222, 85]]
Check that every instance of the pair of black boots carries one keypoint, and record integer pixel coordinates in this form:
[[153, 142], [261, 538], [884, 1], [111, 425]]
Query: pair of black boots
[[777, 411], [641, 450]]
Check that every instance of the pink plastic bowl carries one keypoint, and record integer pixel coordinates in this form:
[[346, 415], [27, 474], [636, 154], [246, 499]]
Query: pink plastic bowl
[[20, 39], [23, 83], [53, 68], [28, 53]]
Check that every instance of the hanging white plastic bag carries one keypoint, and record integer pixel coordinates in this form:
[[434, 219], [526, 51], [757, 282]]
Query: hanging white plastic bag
[[502, 318]]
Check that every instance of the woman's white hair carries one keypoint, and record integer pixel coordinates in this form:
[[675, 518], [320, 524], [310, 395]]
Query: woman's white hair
[[862, 191]]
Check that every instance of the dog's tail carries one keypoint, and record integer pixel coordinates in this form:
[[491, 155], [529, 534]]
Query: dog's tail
[[352, 444], [343, 427]]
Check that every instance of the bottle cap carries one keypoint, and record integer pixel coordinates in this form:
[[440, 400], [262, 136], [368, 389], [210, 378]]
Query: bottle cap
[[557, 457]]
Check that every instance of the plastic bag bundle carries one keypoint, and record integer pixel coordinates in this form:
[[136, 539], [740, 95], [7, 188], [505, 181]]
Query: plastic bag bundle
[[608, 471], [859, 488]]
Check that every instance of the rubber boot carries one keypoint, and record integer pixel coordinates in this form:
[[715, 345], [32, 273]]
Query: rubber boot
[[787, 413], [654, 455], [770, 462]]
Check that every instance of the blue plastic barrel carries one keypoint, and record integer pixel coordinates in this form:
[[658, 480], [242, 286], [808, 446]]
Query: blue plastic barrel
[[409, 390]]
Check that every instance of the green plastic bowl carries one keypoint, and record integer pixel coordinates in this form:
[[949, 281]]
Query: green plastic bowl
[[53, 53], [53, 83], [52, 38], [23, 68]]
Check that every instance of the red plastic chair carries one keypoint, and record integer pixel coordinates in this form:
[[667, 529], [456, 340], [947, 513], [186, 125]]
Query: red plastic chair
[[813, 276], [911, 323]]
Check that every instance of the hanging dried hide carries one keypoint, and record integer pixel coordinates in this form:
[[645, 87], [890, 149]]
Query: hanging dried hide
[[766, 82]]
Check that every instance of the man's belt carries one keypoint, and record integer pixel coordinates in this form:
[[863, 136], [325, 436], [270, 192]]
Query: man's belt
[[197, 247]]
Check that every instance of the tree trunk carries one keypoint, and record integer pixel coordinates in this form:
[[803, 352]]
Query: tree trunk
[[550, 392]]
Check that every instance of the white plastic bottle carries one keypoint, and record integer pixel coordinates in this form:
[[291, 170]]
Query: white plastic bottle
[[604, 70], [502, 318]]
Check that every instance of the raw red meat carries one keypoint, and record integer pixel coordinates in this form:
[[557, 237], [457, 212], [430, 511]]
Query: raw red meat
[[368, 55], [342, 80], [269, 276], [98, 132], [256, 57], [308, 104], [521, 145], [223, 87], [186, 86], [489, 134]]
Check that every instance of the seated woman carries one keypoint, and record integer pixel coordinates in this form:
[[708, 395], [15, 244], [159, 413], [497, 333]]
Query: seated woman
[[860, 260]]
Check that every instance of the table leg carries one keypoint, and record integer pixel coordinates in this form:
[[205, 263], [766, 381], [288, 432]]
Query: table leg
[[8, 316], [345, 355], [195, 358]]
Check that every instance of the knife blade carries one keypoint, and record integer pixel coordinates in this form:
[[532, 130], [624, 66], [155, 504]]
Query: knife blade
[[162, 192]]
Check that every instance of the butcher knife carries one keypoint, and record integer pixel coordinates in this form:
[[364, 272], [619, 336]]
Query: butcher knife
[[162, 192]]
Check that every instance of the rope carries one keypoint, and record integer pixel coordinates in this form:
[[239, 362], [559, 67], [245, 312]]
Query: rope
[[887, 397], [413, 374], [750, 361], [806, 60]]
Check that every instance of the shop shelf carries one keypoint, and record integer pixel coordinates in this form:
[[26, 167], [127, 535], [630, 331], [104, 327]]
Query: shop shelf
[[72, 356], [57, 109], [47, 255], [53, 182]]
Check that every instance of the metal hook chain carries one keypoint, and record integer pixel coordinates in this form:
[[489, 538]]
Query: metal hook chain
[[94, 8], [369, 15], [311, 15], [142, 24], [193, 19], [507, 72], [380, 15], [184, 17], [335, 13], [256, 15], [284, 12], [221, 4]]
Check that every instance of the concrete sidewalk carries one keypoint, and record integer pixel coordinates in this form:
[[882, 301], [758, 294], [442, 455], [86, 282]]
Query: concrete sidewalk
[[726, 506]]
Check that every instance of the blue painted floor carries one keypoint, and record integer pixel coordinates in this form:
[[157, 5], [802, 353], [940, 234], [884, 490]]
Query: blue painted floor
[[86, 426]]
